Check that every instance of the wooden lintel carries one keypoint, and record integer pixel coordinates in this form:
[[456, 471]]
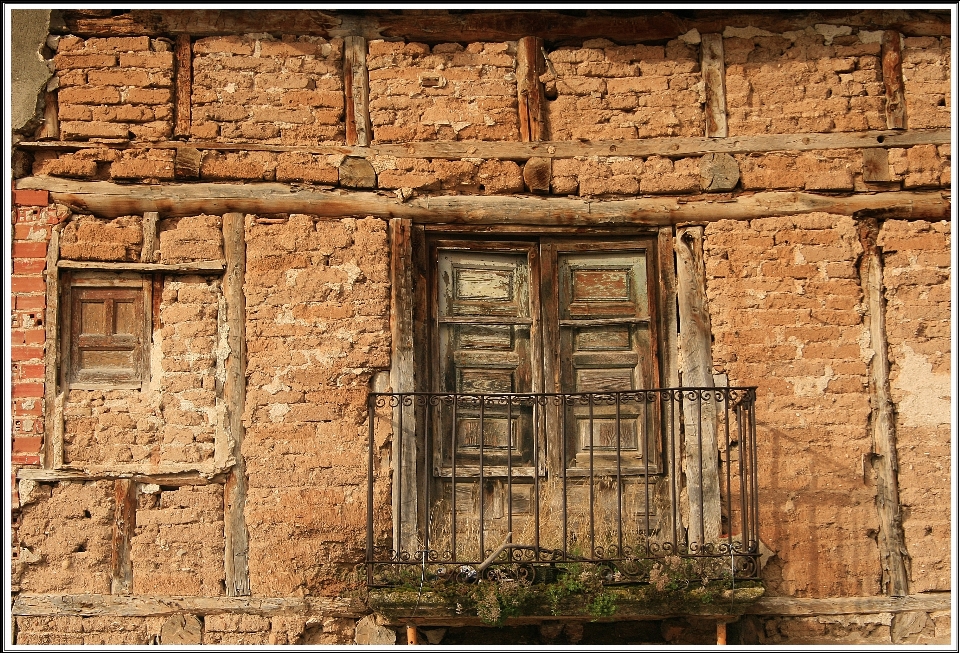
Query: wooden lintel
[[891, 62], [170, 268], [441, 26], [356, 91], [124, 526], [671, 147], [172, 479], [90, 605], [183, 84], [893, 548], [713, 72], [107, 199], [530, 101]]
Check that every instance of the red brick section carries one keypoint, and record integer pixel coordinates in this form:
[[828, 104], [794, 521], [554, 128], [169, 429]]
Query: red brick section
[[31, 233]]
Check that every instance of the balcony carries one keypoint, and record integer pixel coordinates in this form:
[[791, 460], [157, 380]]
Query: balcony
[[468, 487]]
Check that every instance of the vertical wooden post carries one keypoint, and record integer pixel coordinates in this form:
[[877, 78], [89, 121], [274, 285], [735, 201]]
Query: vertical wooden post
[[530, 101], [702, 475], [401, 380], [721, 633], [124, 526], [893, 550], [234, 390], [670, 374], [713, 71], [183, 85], [356, 87], [51, 117], [891, 62], [52, 401], [149, 236]]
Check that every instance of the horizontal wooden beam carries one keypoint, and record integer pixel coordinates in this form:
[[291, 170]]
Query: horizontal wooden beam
[[789, 606], [197, 266], [108, 199], [173, 479], [92, 605], [676, 147], [437, 26]]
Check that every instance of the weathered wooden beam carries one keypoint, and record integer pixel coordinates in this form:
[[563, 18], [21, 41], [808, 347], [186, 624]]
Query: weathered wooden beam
[[893, 548], [530, 101], [715, 88], [440, 26], [402, 380], [665, 496], [673, 147], [108, 199], [170, 268], [57, 475], [696, 371], [183, 85], [149, 236], [124, 526], [236, 538], [92, 605], [891, 63], [790, 606], [50, 129], [53, 416], [356, 91]]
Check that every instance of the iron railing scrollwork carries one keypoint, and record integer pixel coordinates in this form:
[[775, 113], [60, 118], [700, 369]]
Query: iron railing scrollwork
[[619, 480]]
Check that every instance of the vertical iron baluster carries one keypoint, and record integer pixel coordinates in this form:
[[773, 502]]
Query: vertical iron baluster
[[703, 530], [427, 477], [482, 492], [563, 470], [537, 416], [744, 489], [593, 542], [726, 430], [453, 479], [371, 411], [646, 477], [619, 487], [510, 464], [674, 525], [400, 512], [752, 428]]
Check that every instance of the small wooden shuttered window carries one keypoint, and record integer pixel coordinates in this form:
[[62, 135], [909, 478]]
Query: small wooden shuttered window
[[106, 331]]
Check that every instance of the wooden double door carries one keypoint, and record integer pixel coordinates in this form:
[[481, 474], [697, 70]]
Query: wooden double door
[[564, 319]]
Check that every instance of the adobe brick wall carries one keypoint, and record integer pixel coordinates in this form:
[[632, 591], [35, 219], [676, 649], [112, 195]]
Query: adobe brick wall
[[815, 80], [317, 327], [263, 89], [606, 91], [916, 279], [447, 92], [785, 308], [926, 81]]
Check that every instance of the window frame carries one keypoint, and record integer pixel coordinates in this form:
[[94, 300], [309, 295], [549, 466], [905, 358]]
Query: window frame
[[72, 283]]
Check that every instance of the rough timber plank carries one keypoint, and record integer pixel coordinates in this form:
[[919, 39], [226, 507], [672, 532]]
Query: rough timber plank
[[441, 26], [669, 371], [56, 475], [53, 418], [896, 106], [788, 606], [702, 475], [401, 380], [108, 199], [183, 85], [235, 491], [89, 605], [674, 146], [170, 268], [124, 526], [713, 72], [356, 90], [149, 236], [893, 549], [530, 102]]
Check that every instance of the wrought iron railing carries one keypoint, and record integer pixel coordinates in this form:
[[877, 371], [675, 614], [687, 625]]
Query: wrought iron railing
[[461, 485]]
